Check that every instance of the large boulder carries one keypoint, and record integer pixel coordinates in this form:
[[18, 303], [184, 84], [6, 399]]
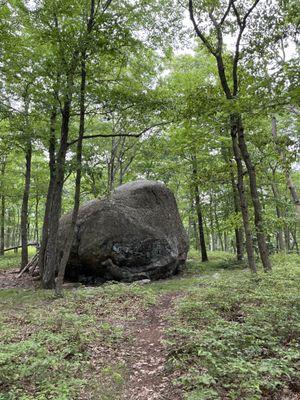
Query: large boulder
[[134, 234]]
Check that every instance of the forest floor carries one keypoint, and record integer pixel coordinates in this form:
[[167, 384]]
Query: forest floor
[[216, 332]]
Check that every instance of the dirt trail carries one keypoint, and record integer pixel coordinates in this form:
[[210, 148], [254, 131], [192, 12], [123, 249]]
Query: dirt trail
[[149, 379], [145, 355]]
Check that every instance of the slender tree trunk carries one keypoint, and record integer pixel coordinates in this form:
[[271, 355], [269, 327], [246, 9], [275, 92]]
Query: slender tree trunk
[[258, 219], [280, 239], [196, 235], [243, 200], [50, 255], [18, 235], [287, 238], [239, 237], [24, 211], [217, 224], [121, 174], [204, 256], [9, 229], [199, 212], [111, 166], [45, 230], [289, 181], [294, 236], [15, 227], [294, 193], [36, 229], [190, 225], [211, 225], [2, 222], [70, 237], [225, 242]]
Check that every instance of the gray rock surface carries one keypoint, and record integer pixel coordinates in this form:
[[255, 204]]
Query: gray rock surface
[[134, 234]]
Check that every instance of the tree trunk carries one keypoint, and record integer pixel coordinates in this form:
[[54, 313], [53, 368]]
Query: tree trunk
[[45, 230], [294, 193], [50, 256], [36, 228], [211, 223], [225, 242], [294, 236], [239, 237], [280, 239], [287, 238], [217, 224], [2, 222], [69, 239], [204, 257], [196, 235], [15, 229], [243, 199], [289, 181], [24, 210], [258, 219]]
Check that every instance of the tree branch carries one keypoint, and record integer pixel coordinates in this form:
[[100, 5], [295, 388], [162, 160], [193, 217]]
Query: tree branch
[[198, 31], [231, 2], [242, 25], [135, 135]]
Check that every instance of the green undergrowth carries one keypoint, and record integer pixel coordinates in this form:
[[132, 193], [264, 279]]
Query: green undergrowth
[[232, 336], [236, 336], [66, 348]]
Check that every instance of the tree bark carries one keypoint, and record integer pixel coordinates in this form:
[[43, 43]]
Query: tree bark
[[45, 229], [243, 199], [24, 210], [294, 236], [217, 224], [225, 242], [239, 237], [36, 228], [211, 220], [2, 222], [258, 219], [50, 255], [204, 257], [289, 181], [280, 240], [69, 239]]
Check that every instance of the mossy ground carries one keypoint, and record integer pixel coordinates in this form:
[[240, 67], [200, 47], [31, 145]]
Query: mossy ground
[[229, 335]]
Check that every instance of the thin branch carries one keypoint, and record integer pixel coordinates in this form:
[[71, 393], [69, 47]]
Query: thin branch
[[250, 11], [219, 33], [135, 135], [106, 5], [198, 31], [238, 17], [231, 2], [242, 25]]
